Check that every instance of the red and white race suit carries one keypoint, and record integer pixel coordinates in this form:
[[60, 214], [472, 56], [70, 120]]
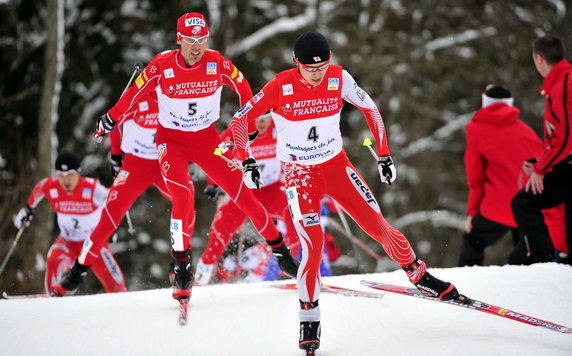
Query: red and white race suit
[[309, 143], [77, 213]]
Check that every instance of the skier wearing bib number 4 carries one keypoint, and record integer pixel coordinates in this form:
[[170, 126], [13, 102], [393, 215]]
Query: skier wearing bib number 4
[[305, 104]]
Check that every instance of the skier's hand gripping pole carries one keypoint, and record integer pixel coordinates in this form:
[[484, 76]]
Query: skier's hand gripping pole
[[385, 165]]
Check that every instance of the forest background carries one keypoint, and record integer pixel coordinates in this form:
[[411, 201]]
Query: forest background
[[425, 63]]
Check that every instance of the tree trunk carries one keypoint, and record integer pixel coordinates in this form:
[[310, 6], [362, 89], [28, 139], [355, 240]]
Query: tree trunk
[[47, 139]]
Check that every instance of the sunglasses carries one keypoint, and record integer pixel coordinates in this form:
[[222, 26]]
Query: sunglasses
[[192, 40]]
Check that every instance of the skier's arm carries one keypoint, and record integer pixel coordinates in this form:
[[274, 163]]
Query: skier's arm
[[26, 213], [145, 83], [356, 96], [244, 120]]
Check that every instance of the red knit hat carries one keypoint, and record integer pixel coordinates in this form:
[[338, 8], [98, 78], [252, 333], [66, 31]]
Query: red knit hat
[[192, 24]]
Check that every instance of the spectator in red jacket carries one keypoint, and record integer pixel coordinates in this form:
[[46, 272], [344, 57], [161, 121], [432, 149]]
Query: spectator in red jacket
[[550, 183], [497, 144]]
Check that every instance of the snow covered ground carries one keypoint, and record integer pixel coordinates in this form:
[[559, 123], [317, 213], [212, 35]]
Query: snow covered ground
[[253, 319]]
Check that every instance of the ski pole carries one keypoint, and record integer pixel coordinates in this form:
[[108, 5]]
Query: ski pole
[[348, 233], [130, 227], [132, 78], [20, 231], [219, 152], [358, 242], [367, 142]]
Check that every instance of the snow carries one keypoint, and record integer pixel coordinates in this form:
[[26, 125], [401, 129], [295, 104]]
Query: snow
[[253, 319]]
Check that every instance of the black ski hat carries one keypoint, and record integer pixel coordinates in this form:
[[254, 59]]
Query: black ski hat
[[67, 161], [311, 47], [497, 92]]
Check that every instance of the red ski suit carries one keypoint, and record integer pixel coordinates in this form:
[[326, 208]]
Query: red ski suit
[[189, 104], [310, 145], [77, 213]]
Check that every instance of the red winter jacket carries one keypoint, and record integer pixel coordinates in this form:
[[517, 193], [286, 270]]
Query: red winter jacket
[[557, 89], [497, 144]]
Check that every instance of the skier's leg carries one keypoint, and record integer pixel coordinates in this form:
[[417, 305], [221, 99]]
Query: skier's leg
[[108, 271]]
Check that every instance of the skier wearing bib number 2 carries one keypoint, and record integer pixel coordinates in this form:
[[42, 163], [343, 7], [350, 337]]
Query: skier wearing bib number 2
[[188, 82], [305, 103]]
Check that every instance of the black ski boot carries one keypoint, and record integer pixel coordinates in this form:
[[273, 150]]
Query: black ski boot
[[287, 263], [70, 281], [309, 336], [182, 268], [428, 284]]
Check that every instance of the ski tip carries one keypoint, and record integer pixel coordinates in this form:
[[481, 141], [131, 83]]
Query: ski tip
[[310, 352]]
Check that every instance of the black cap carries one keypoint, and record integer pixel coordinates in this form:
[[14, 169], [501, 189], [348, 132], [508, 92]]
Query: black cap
[[311, 47], [497, 92], [67, 161]]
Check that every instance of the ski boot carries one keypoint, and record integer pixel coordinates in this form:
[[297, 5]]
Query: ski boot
[[426, 283], [309, 336], [287, 263], [183, 275], [70, 281], [309, 330]]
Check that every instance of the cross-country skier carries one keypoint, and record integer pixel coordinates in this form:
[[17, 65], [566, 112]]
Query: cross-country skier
[[188, 82], [305, 103], [78, 203]]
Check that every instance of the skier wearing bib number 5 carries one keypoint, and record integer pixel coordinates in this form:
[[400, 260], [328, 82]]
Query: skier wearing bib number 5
[[188, 82], [305, 104]]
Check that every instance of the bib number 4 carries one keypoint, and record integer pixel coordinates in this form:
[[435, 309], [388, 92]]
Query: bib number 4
[[313, 134]]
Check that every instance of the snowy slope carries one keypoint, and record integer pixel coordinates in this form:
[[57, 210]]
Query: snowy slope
[[253, 319]]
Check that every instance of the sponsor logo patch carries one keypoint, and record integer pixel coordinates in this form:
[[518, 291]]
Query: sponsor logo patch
[[194, 21], [54, 193], [144, 106], [86, 193], [333, 83], [362, 189], [258, 96], [121, 178], [311, 219], [169, 73], [162, 150], [211, 68], [243, 110], [287, 89]]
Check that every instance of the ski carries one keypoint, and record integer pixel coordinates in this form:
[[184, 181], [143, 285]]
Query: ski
[[328, 288], [25, 296], [183, 311], [473, 304]]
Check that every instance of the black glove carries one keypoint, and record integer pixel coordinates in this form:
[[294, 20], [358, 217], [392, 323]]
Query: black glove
[[25, 215], [116, 161], [386, 169], [104, 126], [252, 136], [213, 192], [251, 174]]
